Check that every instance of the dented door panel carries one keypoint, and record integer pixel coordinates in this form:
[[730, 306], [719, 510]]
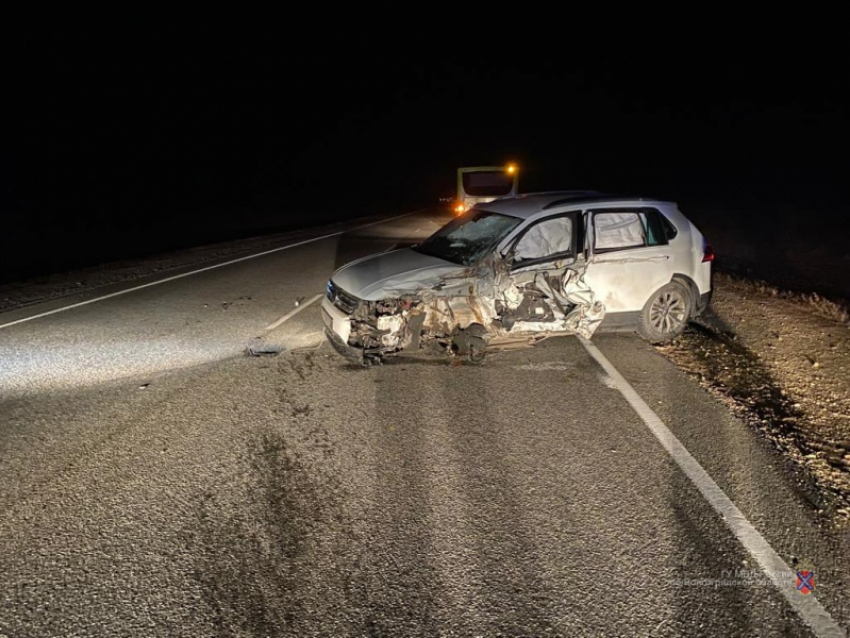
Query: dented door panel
[[623, 278], [624, 283]]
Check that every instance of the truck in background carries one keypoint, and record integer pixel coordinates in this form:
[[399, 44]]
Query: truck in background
[[477, 184]]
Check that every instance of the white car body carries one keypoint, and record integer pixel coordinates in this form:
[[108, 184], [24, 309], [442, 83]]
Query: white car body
[[604, 275]]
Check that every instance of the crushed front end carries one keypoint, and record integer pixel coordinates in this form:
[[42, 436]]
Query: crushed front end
[[485, 306], [363, 331]]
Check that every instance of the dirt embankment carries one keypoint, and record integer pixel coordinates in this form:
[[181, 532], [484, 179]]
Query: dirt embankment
[[782, 361]]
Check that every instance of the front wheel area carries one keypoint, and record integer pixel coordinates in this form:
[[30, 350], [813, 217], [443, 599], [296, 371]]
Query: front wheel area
[[470, 343], [666, 313]]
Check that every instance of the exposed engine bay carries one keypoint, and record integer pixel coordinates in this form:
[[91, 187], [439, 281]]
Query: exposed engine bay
[[484, 307]]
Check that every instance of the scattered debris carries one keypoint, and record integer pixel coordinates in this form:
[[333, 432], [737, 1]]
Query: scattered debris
[[608, 382], [264, 349], [545, 366]]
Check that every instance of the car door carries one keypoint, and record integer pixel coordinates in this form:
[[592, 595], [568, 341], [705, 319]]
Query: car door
[[539, 255], [545, 243], [629, 257]]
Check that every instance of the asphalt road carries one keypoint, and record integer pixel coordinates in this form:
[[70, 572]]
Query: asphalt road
[[159, 482]]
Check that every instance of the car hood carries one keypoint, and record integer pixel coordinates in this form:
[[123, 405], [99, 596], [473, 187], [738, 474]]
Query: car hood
[[388, 274]]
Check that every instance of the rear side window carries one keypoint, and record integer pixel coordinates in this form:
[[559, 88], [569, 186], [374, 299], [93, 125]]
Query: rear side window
[[656, 235], [622, 230], [618, 231], [669, 229]]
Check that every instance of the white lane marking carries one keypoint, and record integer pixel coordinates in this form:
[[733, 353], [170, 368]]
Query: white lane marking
[[771, 563], [292, 313], [199, 270]]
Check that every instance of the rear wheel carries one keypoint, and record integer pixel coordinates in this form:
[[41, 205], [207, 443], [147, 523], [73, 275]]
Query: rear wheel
[[666, 313]]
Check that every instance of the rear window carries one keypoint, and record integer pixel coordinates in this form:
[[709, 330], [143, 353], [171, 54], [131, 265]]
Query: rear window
[[487, 183]]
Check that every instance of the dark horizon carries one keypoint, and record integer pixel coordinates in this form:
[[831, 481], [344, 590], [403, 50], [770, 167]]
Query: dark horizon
[[139, 141]]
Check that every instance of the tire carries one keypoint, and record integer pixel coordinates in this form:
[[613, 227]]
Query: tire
[[666, 313], [477, 350], [470, 343]]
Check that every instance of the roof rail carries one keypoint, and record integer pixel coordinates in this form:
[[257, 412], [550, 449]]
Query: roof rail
[[573, 196]]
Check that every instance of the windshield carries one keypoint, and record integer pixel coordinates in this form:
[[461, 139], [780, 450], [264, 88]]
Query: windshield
[[468, 238], [488, 183]]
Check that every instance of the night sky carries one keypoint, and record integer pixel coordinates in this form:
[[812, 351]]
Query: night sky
[[156, 132]]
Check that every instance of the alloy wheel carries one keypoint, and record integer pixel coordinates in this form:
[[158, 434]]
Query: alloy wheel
[[668, 312]]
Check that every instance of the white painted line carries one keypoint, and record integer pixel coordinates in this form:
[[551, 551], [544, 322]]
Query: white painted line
[[199, 270], [774, 567], [292, 313]]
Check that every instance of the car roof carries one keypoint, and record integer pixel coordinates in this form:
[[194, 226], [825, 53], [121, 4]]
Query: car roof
[[531, 204]]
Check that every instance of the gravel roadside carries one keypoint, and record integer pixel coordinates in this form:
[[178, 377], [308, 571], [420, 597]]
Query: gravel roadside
[[782, 362]]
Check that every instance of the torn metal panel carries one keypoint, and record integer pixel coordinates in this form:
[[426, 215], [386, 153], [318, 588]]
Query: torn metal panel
[[487, 302], [390, 326]]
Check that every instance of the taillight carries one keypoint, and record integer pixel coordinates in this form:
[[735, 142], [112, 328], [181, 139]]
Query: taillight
[[707, 252]]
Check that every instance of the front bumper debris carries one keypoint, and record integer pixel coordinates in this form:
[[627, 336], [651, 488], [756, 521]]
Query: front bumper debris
[[354, 355]]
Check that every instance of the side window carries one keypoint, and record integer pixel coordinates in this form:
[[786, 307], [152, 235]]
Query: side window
[[618, 231], [669, 229], [547, 238], [653, 226], [621, 230]]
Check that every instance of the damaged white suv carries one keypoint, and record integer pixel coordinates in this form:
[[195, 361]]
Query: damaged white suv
[[516, 270]]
